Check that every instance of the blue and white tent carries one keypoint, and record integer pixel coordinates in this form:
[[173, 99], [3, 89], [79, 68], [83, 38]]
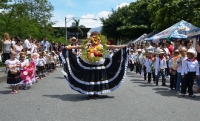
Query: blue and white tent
[[180, 30]]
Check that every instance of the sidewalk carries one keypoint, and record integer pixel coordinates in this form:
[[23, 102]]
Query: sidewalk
[[3, 75]]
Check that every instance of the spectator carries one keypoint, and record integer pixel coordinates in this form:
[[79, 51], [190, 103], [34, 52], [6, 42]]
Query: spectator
[[27, 43], [18, 47], [170, 47], [45, 44], [6, 46]]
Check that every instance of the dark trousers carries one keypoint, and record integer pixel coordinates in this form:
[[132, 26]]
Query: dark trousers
[[6, 56], [149, 77], [131, 66], [145, 73], [188, 81], [167, 70], [173, 80], [154, 76], [138, 68], [162, 73]]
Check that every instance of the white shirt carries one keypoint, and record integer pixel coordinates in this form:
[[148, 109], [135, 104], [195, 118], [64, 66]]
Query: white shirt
[[138, 58], [40, 62], [131, 58], [24, 63], [27, 44], [190, 66], [148, 64], [45, 45], [13, 43], [172, 62], [12, 62], [179, 62], [167, 51], [160, 64]]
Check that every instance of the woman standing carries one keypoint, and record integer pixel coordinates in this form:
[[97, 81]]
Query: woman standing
[[92, 74], [18, 47], [6, 46]]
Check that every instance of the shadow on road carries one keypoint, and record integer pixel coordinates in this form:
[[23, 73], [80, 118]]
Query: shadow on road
[[76, 97], [172, 93], [163, 91], [5, 92], [59, 77]]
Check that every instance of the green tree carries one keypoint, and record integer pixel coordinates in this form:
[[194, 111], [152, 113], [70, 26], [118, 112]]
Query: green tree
[[164, 13], [128, 22], [76, 24], [26, 17]]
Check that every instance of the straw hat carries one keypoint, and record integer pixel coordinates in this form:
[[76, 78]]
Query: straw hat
[[73, 38], [176, 51], [53, 52], [160, 51], [191, 51], [139, 50], [28, 53]]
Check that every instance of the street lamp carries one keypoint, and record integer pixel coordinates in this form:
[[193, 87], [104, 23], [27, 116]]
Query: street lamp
[[70, 20]]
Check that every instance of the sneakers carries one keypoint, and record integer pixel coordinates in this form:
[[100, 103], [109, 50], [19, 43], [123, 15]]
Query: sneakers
[[177, 92], [169, 89], [192, 96]]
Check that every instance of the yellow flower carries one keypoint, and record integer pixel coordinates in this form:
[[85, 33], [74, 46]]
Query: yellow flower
[[95, 40]]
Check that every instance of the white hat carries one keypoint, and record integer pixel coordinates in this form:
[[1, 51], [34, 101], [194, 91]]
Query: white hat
[[35, 54], [73, 38], [28, 53], [150, 52], [176, 51], [160, 51], [191, 51], [131, 50], [139, 50]]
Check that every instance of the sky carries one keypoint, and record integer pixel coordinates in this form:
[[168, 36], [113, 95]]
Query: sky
[[87, 9]]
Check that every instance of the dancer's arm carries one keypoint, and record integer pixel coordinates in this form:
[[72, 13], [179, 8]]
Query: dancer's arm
[[115, 46], [73, 47]]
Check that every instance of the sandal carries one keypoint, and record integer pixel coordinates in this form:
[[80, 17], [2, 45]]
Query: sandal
[[12, 92]]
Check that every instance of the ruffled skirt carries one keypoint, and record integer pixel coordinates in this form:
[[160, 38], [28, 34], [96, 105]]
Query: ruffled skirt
[[95, 78]]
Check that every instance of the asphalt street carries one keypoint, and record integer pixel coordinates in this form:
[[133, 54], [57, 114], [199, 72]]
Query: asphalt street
[[51, 99]]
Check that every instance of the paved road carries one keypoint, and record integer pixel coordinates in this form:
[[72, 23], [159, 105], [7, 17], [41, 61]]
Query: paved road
[[52, 100]]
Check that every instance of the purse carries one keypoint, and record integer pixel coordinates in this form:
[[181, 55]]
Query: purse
[[13, 71]]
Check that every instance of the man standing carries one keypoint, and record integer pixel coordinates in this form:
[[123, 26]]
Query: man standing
[[45, 44], [27, 44]]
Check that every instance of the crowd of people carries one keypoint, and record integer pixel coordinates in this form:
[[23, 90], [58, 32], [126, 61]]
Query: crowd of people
[[178, 60], [28, 61]]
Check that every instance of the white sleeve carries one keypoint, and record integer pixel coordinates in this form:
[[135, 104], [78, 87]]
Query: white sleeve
[[156, 66], [197, 69], [170, 63], [184, 67], [165, 63], [7, 62], [25, 44]]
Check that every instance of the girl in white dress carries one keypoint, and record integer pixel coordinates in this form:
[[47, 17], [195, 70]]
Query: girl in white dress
[[13, 77]]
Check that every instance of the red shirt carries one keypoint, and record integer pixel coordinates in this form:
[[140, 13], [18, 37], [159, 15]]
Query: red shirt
[[171, 49]]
